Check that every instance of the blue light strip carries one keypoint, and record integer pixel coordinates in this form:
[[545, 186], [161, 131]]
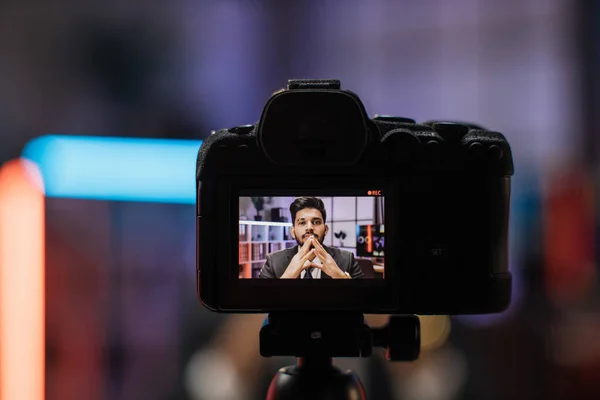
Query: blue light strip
[[112, 168]]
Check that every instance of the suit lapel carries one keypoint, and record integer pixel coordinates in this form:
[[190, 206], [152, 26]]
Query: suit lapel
[[289, 254], [330, 252]]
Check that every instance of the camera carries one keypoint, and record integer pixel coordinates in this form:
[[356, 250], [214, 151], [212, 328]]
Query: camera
[[371, 215]]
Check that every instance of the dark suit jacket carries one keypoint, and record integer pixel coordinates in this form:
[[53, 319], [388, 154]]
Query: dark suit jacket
[[278, 261]]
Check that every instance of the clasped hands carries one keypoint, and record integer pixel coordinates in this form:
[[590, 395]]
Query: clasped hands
[[309, 250]]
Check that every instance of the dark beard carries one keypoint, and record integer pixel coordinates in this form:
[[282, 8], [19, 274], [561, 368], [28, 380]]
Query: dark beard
[[300, 244]]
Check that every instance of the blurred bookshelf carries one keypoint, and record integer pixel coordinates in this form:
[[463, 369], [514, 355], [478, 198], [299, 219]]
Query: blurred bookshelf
[[256, 240]]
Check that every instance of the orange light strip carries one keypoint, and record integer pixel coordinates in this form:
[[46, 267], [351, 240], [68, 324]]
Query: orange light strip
[[22, 309]]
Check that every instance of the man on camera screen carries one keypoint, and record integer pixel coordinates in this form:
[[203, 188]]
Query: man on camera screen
[[311, 259]]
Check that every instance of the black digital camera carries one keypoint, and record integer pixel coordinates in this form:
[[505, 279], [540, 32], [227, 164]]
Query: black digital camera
[[412, 217]]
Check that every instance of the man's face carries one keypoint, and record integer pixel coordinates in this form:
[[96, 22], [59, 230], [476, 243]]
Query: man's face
[[309, 222]]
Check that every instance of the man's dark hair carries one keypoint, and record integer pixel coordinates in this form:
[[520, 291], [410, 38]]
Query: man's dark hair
[[300, 203]]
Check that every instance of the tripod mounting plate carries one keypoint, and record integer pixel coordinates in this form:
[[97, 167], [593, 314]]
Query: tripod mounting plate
[[338, 335]]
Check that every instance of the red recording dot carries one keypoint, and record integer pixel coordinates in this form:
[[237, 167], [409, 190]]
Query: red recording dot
[[369, 192]]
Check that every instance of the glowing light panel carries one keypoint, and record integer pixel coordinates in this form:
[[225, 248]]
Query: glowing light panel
[[112, 168], [22, 310]]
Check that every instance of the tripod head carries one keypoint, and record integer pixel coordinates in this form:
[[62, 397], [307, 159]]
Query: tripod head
[[314, 338]]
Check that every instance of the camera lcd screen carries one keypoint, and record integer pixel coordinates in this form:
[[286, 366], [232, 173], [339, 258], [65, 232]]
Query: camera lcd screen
[[312, 237]]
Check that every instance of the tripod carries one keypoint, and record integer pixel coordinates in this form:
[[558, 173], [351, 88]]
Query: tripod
[[317, 337]]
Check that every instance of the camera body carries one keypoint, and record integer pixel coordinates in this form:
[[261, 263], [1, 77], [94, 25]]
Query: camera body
[[446, 187]]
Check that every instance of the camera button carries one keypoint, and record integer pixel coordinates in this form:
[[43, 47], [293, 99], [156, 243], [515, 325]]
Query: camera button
[[242, 129], [450, 130], [495, 152], [477, 151], [475, 147], [392, 118], [434, 148], [401, 145]]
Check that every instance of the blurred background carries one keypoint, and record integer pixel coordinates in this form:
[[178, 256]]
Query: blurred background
[[122, 318]]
